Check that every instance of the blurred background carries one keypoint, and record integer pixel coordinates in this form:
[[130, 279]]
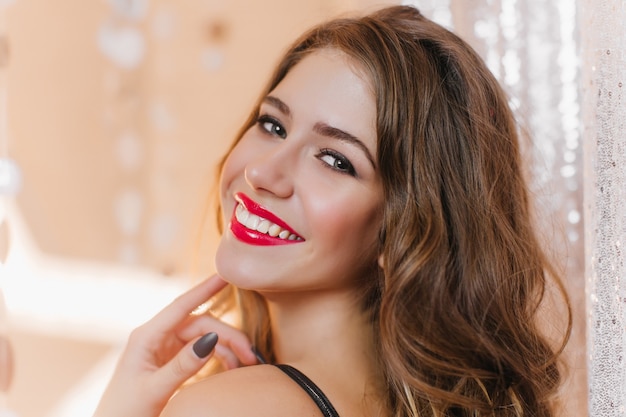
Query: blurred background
[[115, 113]]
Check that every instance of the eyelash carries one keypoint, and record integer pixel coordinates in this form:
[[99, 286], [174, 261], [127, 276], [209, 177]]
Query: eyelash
[[348, 169], [264, 118], [277, 129]]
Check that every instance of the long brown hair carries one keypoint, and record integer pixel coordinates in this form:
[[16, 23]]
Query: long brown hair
[[463, 277]]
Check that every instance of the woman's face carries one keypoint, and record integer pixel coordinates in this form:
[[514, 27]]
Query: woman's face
[[300, 192]]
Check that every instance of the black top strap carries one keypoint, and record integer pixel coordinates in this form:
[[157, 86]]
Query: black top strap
[[313, 390]]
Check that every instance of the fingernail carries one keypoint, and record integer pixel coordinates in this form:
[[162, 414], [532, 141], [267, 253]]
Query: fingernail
[[205, 345], [258, 355]]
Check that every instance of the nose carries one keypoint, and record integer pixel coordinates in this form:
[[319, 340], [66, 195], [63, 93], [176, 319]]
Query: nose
[[271, 172]]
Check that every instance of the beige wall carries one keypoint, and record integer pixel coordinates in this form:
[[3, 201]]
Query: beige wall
[[71, 109], [70, 106]]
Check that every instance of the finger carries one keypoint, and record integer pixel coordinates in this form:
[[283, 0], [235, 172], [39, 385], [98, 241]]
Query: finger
[[230, 337], [171, 316], [226, 356], [185, 364]]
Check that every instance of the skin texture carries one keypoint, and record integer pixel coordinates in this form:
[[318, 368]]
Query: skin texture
[[310, 285], [336, 213], [159, 355]]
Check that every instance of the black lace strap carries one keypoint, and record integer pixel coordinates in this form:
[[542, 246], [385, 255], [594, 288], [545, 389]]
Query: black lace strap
[[313, 390]]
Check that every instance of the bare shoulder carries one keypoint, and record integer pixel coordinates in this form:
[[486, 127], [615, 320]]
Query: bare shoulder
[[261, 390]]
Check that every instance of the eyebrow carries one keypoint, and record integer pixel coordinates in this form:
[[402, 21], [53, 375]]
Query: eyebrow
[[279, 104], [335, 133], [324, 129]]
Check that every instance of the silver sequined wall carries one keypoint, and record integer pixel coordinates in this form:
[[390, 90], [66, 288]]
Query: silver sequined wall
[[603, 29], [563, 62]]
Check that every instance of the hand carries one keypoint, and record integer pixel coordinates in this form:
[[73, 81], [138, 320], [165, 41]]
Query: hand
[[167, 350]]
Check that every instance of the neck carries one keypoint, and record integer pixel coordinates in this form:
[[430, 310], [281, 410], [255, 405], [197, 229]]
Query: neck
[[328, 337], [319, 325]]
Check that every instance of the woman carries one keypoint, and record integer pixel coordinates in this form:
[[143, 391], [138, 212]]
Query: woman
[[379, 238]]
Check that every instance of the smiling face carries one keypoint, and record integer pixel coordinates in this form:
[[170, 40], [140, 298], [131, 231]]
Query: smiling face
[[300, 192]]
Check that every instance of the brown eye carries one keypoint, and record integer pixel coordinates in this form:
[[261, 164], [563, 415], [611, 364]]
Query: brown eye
[[336, 161], [272, 126]]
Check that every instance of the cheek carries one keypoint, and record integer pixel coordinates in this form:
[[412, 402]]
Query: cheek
[[349, 225]]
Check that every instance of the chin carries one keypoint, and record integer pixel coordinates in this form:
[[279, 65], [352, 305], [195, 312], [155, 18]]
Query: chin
[[238, 270]]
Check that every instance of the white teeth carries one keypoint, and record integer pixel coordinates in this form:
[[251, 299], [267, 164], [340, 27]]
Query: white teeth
[[241, 214], [263, 226], [254, 222], [274, 230]]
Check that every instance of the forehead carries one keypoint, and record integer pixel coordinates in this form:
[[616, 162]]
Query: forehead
[[332, 61], [330, 86]]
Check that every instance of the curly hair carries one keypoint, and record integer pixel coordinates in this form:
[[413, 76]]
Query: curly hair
[[455, 303]]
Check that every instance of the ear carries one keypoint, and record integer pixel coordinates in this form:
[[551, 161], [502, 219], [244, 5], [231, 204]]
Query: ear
[[381, 261]]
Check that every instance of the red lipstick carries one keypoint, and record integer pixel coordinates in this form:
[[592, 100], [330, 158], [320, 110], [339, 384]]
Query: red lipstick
[[254, 237]]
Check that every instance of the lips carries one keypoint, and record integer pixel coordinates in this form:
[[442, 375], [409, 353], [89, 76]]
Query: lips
[[253, 224]]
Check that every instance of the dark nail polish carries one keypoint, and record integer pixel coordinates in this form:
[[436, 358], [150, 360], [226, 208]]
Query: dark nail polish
[[205, 345], [258, 355]]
